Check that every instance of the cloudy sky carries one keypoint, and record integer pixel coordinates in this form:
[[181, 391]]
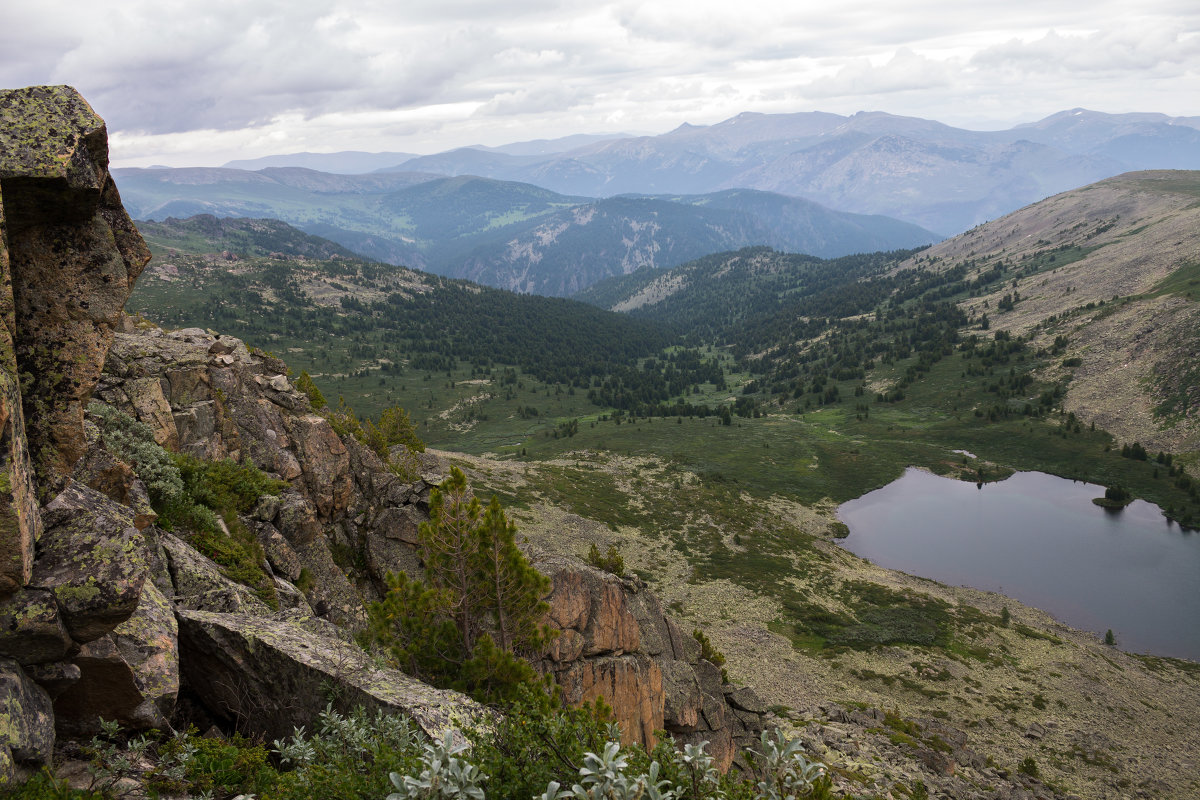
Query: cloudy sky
[[198, 83]]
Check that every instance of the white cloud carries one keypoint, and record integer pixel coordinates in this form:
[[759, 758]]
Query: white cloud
[[243, 77]]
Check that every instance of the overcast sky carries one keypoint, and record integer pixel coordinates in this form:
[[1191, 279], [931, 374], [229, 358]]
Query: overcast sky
[[188, 83]]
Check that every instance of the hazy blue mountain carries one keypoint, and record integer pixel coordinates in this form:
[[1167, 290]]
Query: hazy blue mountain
[[940, 177], [509, 234], [346, 162], [538, 147]]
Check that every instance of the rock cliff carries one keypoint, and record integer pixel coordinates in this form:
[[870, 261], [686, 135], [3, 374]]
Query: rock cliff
[[104, 614]]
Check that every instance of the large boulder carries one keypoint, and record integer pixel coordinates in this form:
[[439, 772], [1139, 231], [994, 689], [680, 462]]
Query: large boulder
[[267, 676], [31, 629], [196, 581], [92, 559], [73, 257], [130, 675], [26, 722]]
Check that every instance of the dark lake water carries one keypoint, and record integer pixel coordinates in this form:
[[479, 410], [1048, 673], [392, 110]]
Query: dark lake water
[[1039, 538]]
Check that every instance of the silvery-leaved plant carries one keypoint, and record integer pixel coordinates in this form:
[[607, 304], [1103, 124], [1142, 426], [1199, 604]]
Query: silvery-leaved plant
[[299, 752], [602, 777], [703, 778], [787, 774], [445, 775]]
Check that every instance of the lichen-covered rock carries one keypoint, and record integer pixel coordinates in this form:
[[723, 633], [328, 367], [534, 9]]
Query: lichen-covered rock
[[31, 630], [268, 676], [280, 555], [20, 523], [131, 675], [26, 722], [73, 254], [197, 581], [92, 559]]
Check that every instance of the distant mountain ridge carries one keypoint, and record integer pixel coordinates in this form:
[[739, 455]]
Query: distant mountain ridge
[[943, 178], [508, 234]]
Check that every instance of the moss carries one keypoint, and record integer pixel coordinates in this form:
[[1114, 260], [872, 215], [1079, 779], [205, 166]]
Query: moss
[[83, 593]]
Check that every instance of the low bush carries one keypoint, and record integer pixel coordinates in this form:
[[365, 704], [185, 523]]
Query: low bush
[[612, 561]]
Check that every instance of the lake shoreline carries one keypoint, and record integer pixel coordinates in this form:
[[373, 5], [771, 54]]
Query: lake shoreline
[[1134, 571]]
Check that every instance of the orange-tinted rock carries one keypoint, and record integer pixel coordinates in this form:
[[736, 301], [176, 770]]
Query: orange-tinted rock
[[592, 604], [631, 684]]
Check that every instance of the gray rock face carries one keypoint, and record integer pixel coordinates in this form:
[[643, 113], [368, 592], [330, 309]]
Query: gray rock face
[[197, 582], [130, 675], [73, 257], [92, 559], [26, 722], [266, 676]]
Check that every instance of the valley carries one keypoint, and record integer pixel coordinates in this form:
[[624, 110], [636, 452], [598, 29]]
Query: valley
[[713, 449]]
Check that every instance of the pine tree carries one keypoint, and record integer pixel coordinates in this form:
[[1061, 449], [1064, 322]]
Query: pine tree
[[511, 590], [449, 545], [482, 609], [411, 623]]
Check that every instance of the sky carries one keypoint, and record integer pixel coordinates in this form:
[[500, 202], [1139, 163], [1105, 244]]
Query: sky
[[185, 83]]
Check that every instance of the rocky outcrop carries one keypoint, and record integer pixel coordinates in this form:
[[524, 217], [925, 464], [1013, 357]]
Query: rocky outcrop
[[74, 570], [73, 257], [268, 676], [617, 644]]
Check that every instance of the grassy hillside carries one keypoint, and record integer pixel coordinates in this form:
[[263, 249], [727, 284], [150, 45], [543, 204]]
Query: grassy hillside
[[1115, 269]]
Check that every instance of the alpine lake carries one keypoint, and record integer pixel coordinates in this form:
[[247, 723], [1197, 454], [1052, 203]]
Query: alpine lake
[[1040, 539]]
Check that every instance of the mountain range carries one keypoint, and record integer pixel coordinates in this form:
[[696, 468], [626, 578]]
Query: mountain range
[[507, 234], [940, 177], [554, 216]]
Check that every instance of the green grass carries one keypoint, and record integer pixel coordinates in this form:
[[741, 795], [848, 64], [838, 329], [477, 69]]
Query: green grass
[[1183, 282]]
